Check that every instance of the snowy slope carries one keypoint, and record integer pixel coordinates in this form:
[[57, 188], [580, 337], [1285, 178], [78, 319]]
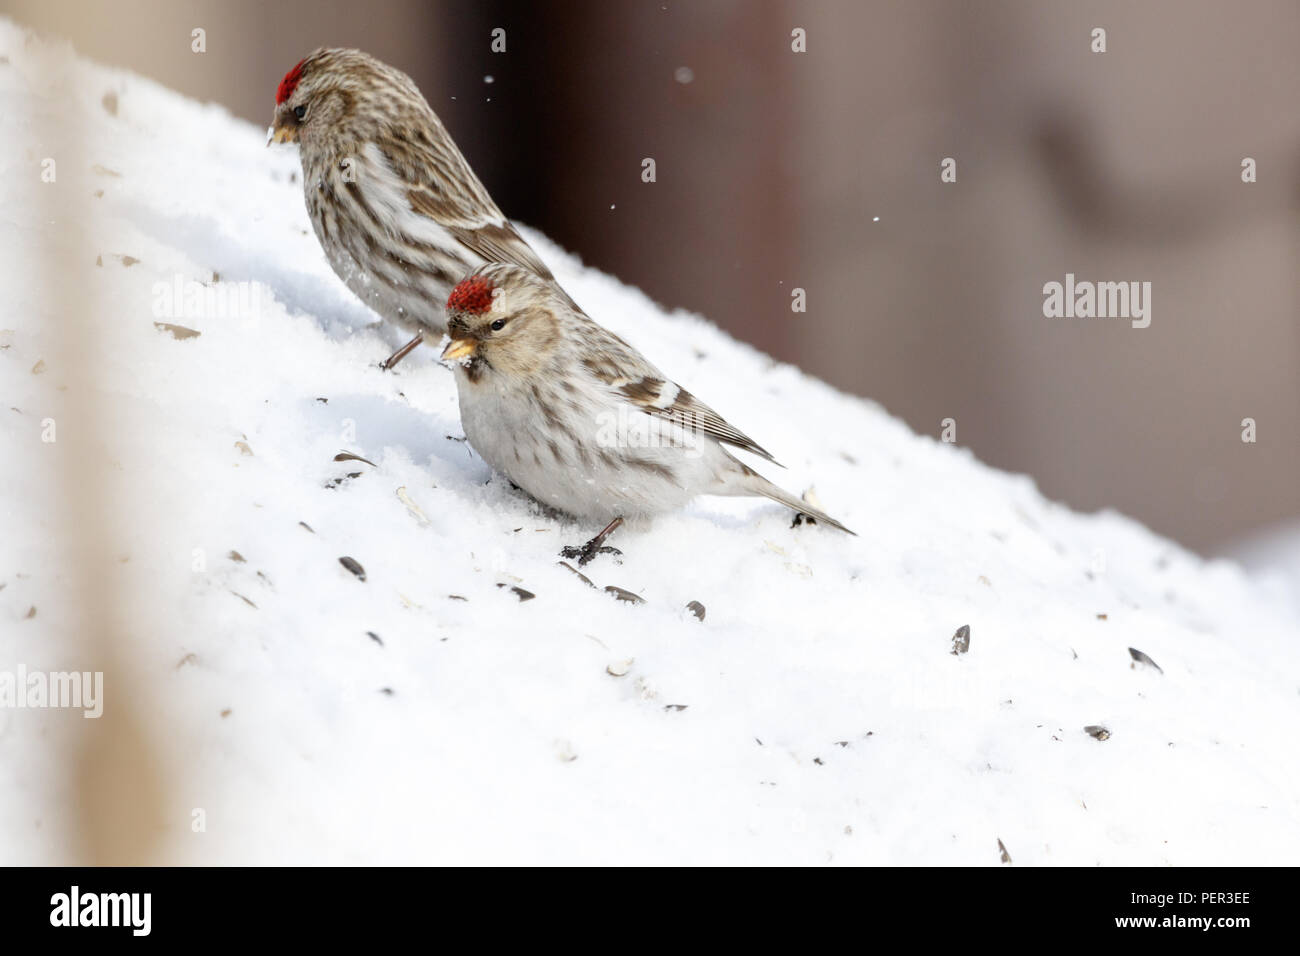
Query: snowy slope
[[815, 715]]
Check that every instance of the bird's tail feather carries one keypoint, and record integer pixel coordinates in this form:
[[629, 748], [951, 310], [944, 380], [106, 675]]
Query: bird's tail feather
[[762, 486]]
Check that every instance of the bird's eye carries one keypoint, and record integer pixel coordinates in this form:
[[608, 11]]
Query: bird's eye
[[300, 111], [498, 325]]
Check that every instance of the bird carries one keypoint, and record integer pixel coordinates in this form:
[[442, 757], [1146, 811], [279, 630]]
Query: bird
[[395, 205], [578, 418]]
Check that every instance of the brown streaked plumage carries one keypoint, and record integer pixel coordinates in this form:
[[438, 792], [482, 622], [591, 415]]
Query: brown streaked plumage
[[397, 209], [576, 417]]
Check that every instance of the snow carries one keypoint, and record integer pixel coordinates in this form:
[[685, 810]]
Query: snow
[[815, 715]]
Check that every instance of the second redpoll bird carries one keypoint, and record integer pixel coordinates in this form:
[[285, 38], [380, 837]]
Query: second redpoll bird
[[577, 418], [397, 209]]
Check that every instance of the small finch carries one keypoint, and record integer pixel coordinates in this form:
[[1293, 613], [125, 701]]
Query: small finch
[[577, 418], [397, 209]]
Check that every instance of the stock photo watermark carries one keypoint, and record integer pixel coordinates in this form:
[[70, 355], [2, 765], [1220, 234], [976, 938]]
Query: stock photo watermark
[[191, 299], [21, 689], [1101, 300]]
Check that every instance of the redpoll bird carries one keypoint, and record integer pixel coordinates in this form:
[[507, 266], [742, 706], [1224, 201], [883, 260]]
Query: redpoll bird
[[397, 209], [577, 418]]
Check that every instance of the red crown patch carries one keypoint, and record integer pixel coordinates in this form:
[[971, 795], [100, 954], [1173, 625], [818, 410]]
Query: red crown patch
[[289, 83], [473, 295]]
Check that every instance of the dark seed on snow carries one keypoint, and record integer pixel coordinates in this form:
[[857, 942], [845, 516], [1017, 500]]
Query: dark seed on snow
[[349, 456], [961, 640], [582, 577], [178, 332], [236, 556], [1003, 855], [624, 595], [676, 707], [386, 691], [696, 608], [375, 637], [1140, 658], [1097, 731], [457, 597], [307, 526], [523, 595], [353, 565]]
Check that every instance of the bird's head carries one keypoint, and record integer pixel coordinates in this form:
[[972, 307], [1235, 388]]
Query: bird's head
[[336, 95], [505, 317]]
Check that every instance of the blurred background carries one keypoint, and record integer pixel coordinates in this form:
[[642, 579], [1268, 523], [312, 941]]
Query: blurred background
[[820, 170]]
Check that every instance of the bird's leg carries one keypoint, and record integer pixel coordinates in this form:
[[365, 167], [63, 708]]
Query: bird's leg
[[402, 353], [595, 546]]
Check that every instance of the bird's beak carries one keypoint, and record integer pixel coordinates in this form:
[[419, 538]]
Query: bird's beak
[[459, 349], [282, 133]]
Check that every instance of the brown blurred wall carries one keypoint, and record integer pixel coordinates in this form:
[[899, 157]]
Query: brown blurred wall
[[772, 164]]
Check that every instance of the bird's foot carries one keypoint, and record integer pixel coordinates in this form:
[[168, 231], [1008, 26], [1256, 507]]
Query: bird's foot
[[388, 363], [587, 553]]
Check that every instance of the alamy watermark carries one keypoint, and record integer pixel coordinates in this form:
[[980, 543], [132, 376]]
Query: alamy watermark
[[181, 299], [631, 428], [1101, 300], [21, 689]]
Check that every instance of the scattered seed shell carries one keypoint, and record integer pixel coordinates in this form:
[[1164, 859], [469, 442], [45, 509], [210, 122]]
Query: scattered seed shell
[[582, 577], [353, 565], [350, 456], [1097, 731], [624, 595], [236, 556], [696, 608], [1003, 855], [961, 640], [620, 668], [1140, 658], [178, 332], [420, 517]]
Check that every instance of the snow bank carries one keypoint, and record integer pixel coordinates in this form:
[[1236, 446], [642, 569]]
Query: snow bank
[[428, 714]]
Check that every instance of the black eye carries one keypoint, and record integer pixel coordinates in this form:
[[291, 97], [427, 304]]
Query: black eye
[[498, 325], [300, 111]]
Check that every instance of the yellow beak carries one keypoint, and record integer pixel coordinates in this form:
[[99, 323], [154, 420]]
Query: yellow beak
[[459, 349], [282, 134]]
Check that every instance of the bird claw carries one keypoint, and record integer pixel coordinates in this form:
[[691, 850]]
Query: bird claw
[[587, 553], [595, 546], [387, 364]]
